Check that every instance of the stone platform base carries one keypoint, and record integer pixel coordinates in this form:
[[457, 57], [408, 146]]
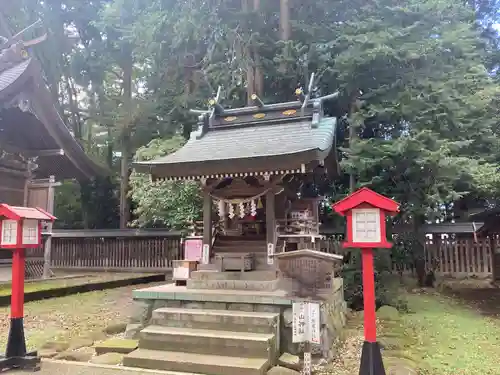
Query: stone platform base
[[333, 310]]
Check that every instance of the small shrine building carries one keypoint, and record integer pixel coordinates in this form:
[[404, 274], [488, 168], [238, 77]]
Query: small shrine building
[[234, 305], [251, 163]]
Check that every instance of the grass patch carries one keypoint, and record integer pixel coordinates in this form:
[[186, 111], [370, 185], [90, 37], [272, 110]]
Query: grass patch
[[453, 339], [45, 285]]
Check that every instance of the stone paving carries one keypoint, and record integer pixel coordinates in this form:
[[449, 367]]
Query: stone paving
[[50, 367]]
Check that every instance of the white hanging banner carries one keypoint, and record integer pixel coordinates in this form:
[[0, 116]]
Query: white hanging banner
[[306, 323]]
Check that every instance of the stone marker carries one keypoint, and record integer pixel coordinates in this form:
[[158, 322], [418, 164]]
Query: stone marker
[[108, 359], [81, 355], [80, 342], [290, 361], [122, 346], [278, 370]]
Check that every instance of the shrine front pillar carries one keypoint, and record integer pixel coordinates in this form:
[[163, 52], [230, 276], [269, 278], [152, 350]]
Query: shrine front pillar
[[270, 218], [207, 219]]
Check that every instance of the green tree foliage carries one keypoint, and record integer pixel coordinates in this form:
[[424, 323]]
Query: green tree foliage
[[415, 79], [165, 204]]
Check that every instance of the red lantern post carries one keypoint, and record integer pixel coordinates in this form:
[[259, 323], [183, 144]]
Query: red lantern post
[[20, 229], [365, 211]]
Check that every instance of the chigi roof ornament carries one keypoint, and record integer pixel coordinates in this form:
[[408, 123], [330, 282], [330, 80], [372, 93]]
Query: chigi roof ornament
[[13, 49]]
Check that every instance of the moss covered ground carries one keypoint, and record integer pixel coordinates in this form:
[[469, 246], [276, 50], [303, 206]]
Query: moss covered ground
[[44, 285], [443, 334], [452, 337]]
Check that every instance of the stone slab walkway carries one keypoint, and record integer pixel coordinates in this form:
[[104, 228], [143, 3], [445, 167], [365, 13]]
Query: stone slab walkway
[[51, 367]]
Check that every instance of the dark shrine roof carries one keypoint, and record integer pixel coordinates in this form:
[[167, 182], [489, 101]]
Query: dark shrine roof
[[31, 124], [236, 144]]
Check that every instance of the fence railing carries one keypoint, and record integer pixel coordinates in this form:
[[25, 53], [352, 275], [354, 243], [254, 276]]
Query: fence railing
[[114, 250], [454, 258], [461, 257], [154, 250]]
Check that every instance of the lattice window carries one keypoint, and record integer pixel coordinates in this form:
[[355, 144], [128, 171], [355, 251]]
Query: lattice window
[[366, 225]]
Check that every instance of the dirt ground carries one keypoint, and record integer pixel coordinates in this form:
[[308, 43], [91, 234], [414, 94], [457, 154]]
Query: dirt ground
[[481, 295], [71, 316]]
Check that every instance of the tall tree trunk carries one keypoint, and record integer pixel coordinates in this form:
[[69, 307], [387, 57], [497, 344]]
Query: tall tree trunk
[[285, 27], [248, 56], [418, 250], [73, 106], [353, 107], [259, 77], [125, 141]]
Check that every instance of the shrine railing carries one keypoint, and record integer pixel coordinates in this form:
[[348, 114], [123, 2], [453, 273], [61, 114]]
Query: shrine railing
[[115, 250]]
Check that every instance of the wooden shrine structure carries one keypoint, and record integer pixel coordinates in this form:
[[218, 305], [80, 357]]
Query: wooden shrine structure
[[252, 163], [238, 284], [36, 146]]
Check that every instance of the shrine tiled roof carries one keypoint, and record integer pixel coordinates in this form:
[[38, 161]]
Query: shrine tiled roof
[[286, 146], [30, 122], [11, 75]]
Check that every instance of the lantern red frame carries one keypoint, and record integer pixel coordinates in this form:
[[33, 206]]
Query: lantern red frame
[[16, 355], [371, 356], [19, 214], [366, 198]]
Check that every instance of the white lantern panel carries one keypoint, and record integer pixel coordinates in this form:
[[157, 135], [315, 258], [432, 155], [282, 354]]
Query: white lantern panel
[[366, 226], [9, 232], [30, 232]]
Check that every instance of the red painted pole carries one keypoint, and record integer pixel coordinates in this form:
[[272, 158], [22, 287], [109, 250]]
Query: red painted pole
[[369, 296], [17, 296]]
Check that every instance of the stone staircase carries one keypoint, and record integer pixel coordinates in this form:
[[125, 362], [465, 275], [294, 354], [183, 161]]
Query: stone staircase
[[211, 342], [260, 280]]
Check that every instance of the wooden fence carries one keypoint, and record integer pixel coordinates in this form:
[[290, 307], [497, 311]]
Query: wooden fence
[[461, 257], [112, 250], [154, 250], [464, 257]]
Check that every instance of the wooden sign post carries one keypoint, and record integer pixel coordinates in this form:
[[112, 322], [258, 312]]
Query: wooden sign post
[[306, 329], [365, 211]]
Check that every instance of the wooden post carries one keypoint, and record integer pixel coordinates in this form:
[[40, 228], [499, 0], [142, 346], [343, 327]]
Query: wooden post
[[270, 221], [48, 242], [207, 219]]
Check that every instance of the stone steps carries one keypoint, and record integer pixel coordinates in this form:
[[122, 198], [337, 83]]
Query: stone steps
[[205, 341], [258, 286], [234, 321], [196, 363], [259, 275], [211, 342]]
